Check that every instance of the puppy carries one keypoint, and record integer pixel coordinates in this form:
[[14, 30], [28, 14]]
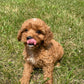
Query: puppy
[[40, 51]]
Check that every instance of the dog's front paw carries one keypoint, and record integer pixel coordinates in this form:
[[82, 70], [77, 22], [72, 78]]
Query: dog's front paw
[[24, 80]]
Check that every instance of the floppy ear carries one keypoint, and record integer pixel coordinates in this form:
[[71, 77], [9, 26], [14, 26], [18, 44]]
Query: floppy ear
[[48, 36], [19, 35], [21, 31]]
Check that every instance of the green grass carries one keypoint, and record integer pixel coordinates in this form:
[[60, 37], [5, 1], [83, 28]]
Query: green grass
[[66, 19]]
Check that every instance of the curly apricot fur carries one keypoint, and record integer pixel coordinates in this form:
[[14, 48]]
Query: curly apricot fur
[[43, 55]]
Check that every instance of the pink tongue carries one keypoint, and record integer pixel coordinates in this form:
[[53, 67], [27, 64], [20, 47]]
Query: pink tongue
[[31, 41]]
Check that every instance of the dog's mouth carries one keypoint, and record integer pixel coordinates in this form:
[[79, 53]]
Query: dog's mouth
[[31, 43]]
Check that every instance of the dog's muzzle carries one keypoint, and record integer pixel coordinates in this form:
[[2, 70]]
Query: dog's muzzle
[[31, 41]]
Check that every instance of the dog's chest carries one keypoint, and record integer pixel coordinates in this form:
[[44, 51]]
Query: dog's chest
[[35, 60], [31, 57], [38, 59]]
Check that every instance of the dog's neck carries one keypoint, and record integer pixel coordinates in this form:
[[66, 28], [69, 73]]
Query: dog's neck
[[31, 53]]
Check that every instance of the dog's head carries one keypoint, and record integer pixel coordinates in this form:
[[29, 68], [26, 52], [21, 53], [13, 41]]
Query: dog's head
[[34, 32]]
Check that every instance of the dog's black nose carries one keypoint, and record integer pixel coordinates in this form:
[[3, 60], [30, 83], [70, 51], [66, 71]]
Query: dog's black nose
[[29, 37]]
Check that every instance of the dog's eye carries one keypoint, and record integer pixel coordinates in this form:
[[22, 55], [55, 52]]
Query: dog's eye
[[25, 30], [38, 31]]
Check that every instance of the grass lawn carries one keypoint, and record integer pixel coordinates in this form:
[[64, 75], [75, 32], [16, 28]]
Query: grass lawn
[[66, 19]]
